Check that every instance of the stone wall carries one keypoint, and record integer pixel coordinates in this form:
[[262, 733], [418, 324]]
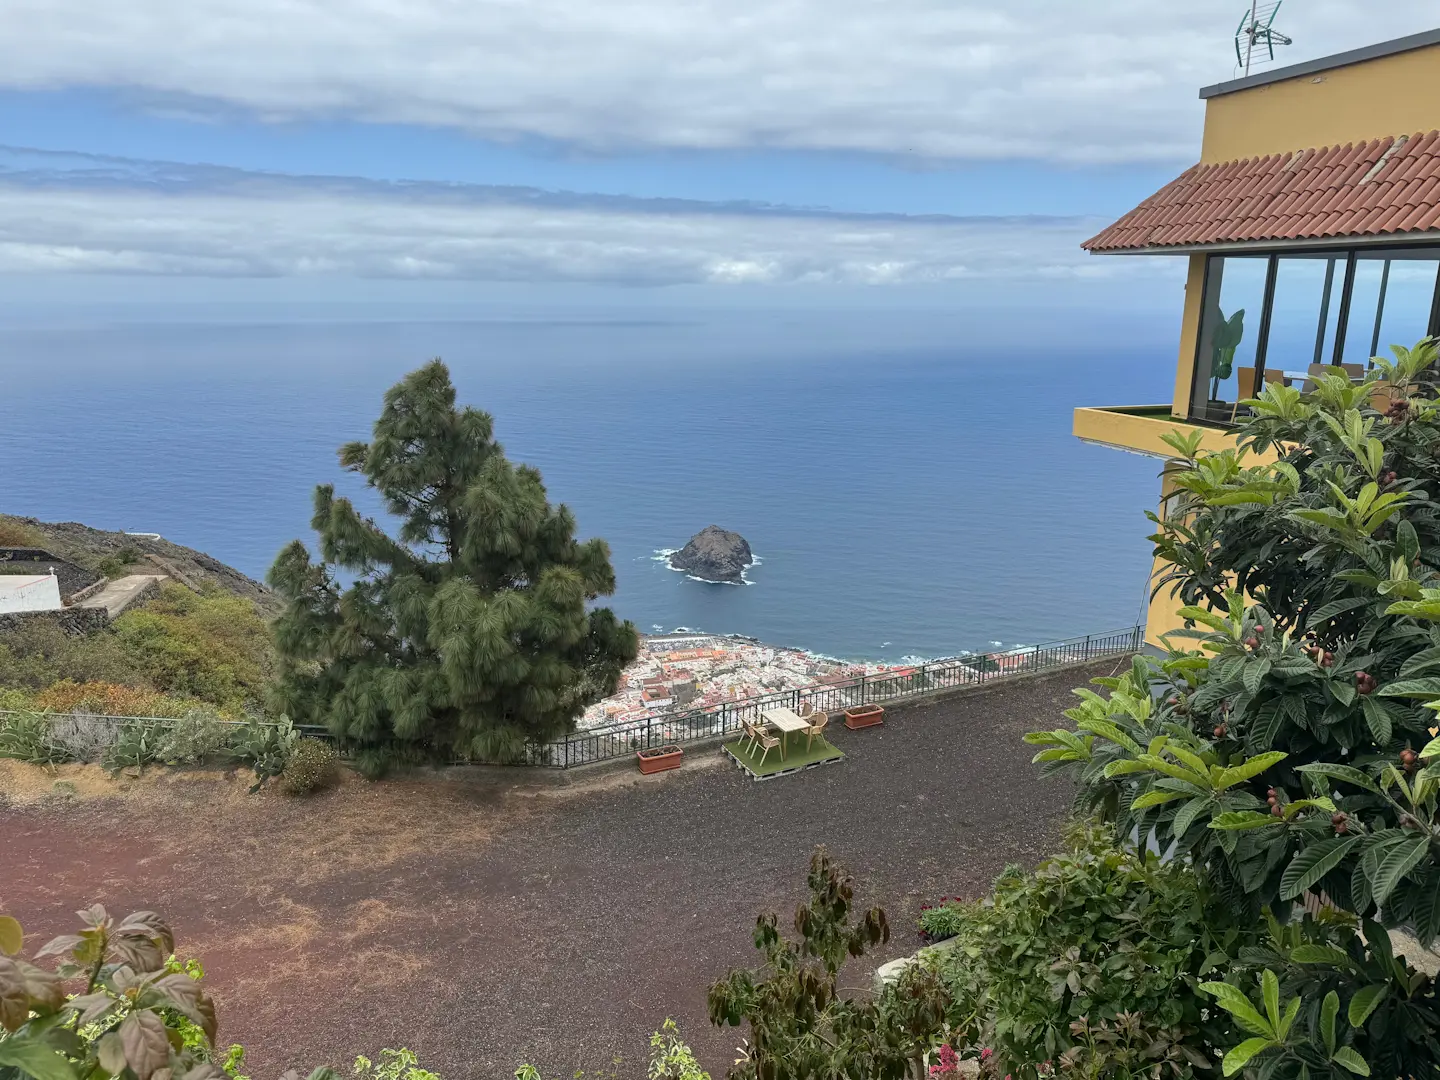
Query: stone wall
[[74, 621]]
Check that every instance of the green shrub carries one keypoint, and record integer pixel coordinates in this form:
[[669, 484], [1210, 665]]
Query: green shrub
[[1290, 757], [800, 1022], [198, 736], [940, 921], [214, 647], [136, 1013], [265, 746], [399, 1064], [27, 736], [1098, 933], [312, 766], [41, 654], [671, 1058], [136, 745]]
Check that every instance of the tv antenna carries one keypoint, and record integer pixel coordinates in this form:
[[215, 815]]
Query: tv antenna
[[1256, 36]]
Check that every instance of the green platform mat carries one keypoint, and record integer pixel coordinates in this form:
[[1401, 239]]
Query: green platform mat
[[797, 757]]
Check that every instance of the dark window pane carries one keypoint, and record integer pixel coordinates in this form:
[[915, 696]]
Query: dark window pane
[[1304, 313], [1390, 303], [1229, 331]]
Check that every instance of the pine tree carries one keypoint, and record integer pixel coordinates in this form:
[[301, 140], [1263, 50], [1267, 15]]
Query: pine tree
[[469, 634]]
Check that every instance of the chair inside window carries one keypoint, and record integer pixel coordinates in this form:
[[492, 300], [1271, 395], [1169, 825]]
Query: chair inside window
[[1244, 388]]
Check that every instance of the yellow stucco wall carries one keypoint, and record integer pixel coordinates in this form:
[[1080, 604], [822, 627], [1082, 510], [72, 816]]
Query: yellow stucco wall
[[1189, 333], [1163, 615], [1391, 95], [1129, 429]]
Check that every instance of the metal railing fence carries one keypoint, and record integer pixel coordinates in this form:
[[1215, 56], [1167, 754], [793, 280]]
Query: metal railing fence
[[716, 721], [96, 732]]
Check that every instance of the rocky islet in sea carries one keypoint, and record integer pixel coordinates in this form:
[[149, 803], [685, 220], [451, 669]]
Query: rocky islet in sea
[[714, 554]]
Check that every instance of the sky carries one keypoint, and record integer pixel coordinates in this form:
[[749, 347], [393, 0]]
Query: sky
[[325, 146]]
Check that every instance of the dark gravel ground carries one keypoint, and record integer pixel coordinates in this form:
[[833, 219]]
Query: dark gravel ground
[[489, 917]]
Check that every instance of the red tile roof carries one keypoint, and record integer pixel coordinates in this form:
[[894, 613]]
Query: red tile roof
[[1389, 185]]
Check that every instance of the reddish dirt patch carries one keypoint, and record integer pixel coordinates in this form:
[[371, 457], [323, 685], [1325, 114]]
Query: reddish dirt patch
[[489, 917]]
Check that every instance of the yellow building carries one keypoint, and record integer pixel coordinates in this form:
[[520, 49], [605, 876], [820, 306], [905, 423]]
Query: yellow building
[[1312, 228]]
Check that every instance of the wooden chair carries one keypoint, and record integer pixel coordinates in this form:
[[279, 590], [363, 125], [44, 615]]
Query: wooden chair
[[1244, 388], [818, 720], [767, 742], [751, 735], [1308, 386], [1276, 377]]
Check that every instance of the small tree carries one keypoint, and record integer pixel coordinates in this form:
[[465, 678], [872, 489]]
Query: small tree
[[801, 1025], [468, 633]]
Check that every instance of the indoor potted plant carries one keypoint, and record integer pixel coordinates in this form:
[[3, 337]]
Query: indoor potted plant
[[858, 716], [659, 758]]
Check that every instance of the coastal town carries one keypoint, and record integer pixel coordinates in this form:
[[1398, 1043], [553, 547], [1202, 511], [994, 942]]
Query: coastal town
[[684, 672]]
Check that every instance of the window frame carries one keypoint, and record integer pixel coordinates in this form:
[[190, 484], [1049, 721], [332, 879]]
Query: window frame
[[1351, 256]]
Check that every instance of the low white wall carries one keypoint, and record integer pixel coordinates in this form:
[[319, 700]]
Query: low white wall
[[26, 593]]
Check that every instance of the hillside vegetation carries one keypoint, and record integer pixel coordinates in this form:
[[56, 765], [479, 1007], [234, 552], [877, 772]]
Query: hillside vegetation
[[205, 642]]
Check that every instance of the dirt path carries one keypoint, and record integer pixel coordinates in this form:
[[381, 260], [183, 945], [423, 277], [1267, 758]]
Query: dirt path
[[487, 917]]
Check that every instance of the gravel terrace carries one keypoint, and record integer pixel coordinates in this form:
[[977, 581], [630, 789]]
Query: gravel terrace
[[489, 917]]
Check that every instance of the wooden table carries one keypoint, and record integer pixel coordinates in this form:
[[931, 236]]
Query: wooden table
[[784, 721]]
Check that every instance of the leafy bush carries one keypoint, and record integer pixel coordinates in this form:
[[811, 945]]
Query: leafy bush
[[264, 746], [937, 922], [118, 565], [399, 1064], [1116, 938], [198, 736], [213, 647], [172, 654], [800, 1024], [27, 736], [40, 654], [109, 699], [671, 1058], [134, 1013], [1291, 756], [312, 766], [137, 744], [15, 533]]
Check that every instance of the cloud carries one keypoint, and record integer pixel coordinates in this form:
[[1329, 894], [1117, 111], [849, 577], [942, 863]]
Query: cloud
[[62, 212], [1057, 80]]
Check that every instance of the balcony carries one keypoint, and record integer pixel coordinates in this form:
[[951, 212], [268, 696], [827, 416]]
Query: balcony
[[1140, 429]]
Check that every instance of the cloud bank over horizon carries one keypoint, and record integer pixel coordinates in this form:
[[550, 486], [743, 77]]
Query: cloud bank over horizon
[[945, 80], [75, 213]]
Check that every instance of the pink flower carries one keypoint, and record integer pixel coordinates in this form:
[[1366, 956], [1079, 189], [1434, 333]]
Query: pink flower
[[986, 1054]]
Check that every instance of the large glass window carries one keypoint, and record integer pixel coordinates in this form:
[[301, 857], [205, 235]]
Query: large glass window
[[1390, 301], [1304, 311], [1229, 335], [1276, 317]]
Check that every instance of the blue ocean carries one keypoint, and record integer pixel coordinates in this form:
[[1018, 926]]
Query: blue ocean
[[907, 477]]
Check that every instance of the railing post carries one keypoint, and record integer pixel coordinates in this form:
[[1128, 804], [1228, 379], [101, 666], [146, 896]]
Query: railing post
[[649, 720], [1087, 646], [864, 689]]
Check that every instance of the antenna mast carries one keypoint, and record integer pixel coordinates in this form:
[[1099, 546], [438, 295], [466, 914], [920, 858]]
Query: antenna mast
[[1256, 37]]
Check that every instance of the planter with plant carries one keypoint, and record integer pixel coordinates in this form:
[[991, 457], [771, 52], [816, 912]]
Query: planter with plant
[[659, 758], [863, 716], [939, 922]]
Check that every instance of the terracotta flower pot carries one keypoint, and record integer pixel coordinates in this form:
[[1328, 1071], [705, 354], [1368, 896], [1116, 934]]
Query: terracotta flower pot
[[861, 716], [659, 759]]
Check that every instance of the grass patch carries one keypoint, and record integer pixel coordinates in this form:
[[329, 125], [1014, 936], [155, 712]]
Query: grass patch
[[797, 756]]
